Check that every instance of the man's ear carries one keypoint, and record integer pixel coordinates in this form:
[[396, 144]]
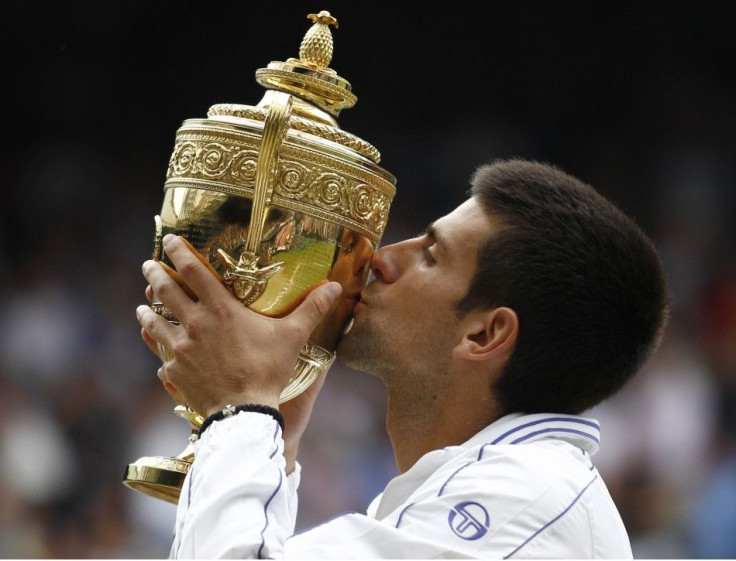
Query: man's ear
[[488, 335]]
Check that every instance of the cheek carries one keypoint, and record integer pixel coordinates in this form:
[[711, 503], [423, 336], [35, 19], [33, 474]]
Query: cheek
[[428, 300], [422, 317], [418, 305]]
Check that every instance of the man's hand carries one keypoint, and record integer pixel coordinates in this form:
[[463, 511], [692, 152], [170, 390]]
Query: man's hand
[[223, 352]]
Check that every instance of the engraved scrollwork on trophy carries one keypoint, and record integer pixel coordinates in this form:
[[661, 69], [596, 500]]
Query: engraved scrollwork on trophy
[[182, 159], [292, 180], [361, 202], [213, 160], [300, 176], [330, 191], [348, 169], [316, 355], [380, 213], [243, 167]]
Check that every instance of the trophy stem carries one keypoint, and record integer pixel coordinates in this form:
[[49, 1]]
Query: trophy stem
[[163, 477], [312, 361]]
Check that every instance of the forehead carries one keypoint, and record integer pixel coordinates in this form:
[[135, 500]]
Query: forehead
[[467, 225], [460, 235]]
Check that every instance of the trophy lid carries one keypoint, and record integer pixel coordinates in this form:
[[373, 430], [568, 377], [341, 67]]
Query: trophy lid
[[318, 92], [309, 76]]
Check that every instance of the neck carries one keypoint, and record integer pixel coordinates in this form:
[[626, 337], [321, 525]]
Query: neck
[[417, 425]]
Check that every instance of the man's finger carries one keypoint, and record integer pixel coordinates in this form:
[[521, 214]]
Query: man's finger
[[315, 306], [150, 342], [156, 327], [191, 268], [174, 393], [166, 290], [177, 278]]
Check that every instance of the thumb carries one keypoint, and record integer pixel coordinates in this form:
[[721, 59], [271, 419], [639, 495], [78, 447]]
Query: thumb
[[315, 306]]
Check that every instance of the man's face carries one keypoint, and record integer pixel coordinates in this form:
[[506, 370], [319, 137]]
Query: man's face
[[405, 322]]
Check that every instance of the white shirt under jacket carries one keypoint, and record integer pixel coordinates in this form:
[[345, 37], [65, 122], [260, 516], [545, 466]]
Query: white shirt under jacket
[[523, 487]]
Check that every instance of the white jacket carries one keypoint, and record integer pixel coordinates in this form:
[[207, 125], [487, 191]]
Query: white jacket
[[523, 487]]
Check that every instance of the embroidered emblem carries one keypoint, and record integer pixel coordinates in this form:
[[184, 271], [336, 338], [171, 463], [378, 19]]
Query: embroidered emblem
[[469, 520]]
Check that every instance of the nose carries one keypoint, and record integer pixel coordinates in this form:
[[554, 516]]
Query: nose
[[387, 262]]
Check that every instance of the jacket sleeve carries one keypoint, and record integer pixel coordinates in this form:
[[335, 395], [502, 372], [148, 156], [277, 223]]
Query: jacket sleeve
[[236, 500]]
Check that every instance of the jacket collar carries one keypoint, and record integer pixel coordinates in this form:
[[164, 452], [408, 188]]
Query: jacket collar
[[512, 429], [518, 428]]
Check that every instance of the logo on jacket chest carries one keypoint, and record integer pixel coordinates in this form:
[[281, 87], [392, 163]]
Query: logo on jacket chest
[[469, 520]]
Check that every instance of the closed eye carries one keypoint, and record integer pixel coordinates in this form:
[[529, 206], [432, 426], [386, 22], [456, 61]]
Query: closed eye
[[428, 254], [430, 240]]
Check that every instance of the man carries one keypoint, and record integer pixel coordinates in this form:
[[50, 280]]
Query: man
[[529, 303]]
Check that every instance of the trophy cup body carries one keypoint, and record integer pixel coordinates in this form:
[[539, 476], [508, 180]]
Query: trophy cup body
[[276, 198]]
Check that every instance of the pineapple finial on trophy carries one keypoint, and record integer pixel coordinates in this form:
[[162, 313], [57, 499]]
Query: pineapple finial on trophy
[[309, 77], [316, 47]]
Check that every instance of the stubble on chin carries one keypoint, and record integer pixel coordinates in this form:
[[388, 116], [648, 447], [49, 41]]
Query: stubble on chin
[[360, 349]]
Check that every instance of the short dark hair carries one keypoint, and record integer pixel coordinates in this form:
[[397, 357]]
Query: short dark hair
[[586, 283]]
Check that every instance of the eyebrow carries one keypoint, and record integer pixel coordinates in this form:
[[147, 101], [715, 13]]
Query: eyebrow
[[432, 233]]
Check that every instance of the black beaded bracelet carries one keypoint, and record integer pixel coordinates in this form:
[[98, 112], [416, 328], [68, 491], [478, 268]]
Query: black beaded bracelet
[[230, 410]]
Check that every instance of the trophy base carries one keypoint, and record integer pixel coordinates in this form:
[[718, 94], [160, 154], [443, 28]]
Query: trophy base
[[162, 478], [157, 476]]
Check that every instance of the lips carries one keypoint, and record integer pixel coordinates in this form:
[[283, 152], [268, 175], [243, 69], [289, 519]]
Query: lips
[[359, 302], [352, 300]]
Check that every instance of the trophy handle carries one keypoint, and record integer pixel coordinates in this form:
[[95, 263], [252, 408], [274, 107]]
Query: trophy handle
[[247, 277], [274, 132]]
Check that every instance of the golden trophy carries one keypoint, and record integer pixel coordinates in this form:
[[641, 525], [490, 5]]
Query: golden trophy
[[276, 199]]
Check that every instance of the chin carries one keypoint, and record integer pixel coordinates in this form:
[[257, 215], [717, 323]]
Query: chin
[[346, 346], [366, 346], [354, 351]]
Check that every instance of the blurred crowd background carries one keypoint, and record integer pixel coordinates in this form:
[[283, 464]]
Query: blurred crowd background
[[636, 98]]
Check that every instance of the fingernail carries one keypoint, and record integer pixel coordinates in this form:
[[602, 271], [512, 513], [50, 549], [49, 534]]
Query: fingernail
[[168, 238], [146, 265], [333, 290], [139, 311]]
